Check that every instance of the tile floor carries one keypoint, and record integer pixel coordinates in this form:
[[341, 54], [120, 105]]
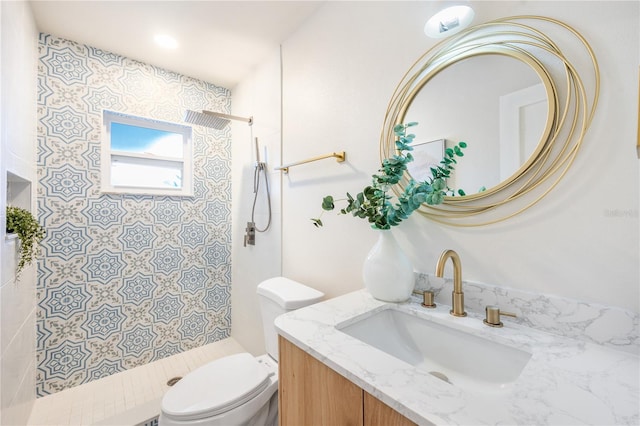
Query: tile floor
[[128, 398]]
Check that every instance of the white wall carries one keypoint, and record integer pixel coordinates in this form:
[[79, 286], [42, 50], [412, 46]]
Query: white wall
[[340, 69], [257, 96], [18, 120]]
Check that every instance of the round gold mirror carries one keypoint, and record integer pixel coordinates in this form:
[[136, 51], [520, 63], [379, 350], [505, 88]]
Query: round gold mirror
[[509, 92]]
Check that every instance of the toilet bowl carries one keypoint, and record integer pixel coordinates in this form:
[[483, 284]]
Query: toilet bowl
[[239, 389], [234, 390]]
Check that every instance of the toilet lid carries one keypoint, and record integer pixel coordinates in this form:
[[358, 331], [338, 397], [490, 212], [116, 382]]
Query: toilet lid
[[216, 387]]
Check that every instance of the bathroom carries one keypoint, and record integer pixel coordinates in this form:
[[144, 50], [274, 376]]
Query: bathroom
[[326, 89]]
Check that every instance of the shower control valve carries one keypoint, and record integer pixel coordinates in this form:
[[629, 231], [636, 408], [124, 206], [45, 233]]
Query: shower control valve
[[250, 236]]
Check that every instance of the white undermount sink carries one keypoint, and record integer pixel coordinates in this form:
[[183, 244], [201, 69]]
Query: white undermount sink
[[457, 357]]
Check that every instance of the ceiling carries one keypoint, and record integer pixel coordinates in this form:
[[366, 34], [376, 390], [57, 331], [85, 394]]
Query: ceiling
[[220, 42]]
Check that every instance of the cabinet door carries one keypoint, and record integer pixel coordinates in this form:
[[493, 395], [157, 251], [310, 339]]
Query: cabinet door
[[310, 393], [378, 413]]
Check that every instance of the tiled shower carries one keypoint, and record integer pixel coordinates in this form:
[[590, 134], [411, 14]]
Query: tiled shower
[[124, 279]]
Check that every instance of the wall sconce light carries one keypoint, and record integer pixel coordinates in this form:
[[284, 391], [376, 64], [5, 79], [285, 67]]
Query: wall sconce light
[[449, 21]]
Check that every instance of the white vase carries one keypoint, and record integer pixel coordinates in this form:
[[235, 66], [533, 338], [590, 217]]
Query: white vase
[[387, 271]]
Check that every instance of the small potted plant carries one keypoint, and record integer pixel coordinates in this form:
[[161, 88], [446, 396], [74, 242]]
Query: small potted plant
[[22, 223]]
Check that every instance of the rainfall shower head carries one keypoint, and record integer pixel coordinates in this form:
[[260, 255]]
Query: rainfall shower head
[[207, 120], [214, 120]]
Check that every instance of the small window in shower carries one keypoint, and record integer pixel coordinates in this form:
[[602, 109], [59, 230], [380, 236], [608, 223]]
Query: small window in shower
[[144, 156]]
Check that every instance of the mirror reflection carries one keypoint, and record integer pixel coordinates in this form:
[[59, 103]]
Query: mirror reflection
[[495, 103]]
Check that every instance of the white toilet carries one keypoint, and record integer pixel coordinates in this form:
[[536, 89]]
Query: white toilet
[[239, 389]]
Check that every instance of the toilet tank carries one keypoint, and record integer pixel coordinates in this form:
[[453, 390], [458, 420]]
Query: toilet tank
[[278, 296]]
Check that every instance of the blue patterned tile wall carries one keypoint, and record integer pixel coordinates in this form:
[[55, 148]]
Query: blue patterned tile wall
[[124, 279]]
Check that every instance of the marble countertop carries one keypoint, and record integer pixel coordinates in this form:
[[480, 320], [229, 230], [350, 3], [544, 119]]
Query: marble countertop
[[565, 382]]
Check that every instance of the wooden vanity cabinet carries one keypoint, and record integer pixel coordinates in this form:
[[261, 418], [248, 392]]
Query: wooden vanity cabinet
[[310, 393], [377, 413]]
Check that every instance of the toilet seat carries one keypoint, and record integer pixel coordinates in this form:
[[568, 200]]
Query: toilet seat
[[216, 388]]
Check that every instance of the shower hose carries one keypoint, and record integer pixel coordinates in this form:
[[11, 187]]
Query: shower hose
[[260, 167]]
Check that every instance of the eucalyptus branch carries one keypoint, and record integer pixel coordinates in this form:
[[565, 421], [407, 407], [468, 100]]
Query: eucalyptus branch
[[374, 202]]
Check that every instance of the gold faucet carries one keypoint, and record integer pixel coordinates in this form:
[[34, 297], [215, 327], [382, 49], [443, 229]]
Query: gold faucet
[[457, 296]]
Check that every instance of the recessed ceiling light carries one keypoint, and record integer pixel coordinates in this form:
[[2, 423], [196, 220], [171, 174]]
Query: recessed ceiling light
[[166, 41], [449, 21]]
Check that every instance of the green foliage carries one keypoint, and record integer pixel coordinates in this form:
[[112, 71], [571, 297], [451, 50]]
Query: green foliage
[[29, 231], [375, 204]]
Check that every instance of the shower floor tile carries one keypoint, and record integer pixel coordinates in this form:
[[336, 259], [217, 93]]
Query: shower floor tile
[[124, 399]]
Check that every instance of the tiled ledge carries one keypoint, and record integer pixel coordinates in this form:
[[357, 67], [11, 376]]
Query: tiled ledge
[[603, 325]]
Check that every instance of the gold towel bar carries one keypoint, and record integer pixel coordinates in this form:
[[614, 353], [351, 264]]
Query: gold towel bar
[[340, 157]]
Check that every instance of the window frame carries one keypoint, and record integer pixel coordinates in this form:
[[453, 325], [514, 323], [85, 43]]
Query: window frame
[[107, 155]]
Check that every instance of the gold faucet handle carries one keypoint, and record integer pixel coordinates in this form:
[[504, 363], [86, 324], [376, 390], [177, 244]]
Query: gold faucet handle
[[492, 316], [428, 299]]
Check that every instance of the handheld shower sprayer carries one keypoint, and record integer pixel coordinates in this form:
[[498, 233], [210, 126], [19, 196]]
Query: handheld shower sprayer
[[257, 152]]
